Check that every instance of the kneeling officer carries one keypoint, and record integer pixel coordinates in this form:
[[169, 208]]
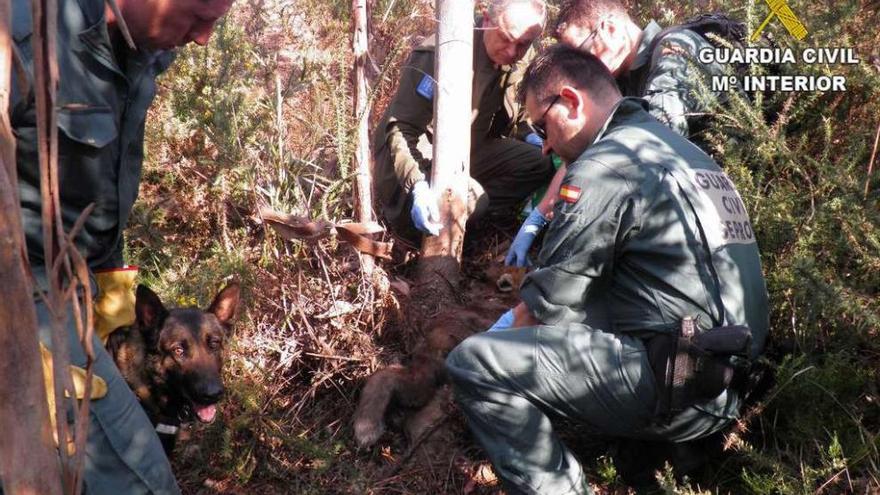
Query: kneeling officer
[[645, 306]]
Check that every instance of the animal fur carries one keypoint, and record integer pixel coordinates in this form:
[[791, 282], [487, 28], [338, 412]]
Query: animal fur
[[415, 385], [173, 359]]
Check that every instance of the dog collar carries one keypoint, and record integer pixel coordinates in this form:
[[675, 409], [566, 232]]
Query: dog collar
[[162, 428]]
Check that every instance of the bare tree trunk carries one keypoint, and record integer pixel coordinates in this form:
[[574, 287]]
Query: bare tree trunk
[[362, 155], [69, 290], [28, 462], [7, 140], [439, 266], [43, 43]]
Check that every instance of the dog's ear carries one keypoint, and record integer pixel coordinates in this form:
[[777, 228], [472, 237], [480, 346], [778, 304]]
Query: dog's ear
[[225, 303], [148, 308]]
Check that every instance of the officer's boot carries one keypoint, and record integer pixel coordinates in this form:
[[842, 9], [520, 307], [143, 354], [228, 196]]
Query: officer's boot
[[637, 462]]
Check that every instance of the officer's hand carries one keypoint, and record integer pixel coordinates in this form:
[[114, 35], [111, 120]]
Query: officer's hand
[[503, 323], [534, 140], [533, 224], [425, 214]]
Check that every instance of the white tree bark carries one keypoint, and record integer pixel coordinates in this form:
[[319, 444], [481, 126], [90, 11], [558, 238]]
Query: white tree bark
[[363, 157], [452, 136]]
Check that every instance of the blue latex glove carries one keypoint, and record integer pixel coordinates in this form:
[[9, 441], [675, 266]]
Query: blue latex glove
[[533, 224], [503, 323], [534, 140], [424, 213]]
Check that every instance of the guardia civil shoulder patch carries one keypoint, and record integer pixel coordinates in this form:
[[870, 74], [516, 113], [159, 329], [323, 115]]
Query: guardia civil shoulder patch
[[569, 194], [426, 87]]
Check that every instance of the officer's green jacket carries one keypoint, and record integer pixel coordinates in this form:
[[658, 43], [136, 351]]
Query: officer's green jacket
[[651, 230], [400, 159], [667, 78], [102, 100]]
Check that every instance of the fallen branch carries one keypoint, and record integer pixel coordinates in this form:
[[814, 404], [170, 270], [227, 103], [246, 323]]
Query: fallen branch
[[293, 227]]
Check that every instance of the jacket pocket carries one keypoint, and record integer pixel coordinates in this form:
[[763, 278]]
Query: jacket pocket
[[93, 126]]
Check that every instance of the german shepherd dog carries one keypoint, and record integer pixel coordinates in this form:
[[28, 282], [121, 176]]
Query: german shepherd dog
[[172, 359]]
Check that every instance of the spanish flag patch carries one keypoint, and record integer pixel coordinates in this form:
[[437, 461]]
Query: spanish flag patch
[[569, 194]]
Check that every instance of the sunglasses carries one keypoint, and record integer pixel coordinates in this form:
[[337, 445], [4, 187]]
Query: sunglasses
[[583, 45], [539, 126]]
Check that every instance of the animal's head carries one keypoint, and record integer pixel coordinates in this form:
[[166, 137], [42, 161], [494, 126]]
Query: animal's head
[[185, 346]]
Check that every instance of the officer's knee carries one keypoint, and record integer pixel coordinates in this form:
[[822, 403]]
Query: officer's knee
[[455, 359], [463, 358], [472, 359]]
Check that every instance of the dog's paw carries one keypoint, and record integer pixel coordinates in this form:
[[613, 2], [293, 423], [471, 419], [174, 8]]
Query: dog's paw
[[367, 431]]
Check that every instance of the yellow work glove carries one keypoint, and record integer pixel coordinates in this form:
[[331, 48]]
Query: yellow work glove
[[99, 389], [114, 306]]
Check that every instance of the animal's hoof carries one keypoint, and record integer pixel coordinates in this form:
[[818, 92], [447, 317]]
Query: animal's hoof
[[367, 432]]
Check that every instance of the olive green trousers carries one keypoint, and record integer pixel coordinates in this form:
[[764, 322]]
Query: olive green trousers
[[510, 383]]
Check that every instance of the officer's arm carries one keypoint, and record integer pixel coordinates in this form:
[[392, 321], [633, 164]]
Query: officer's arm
[[595, 213], [409, 115], [678, 85], [522, 317]]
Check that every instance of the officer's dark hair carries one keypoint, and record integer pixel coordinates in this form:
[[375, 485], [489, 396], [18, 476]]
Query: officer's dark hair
[[562, 64], [578, 12]]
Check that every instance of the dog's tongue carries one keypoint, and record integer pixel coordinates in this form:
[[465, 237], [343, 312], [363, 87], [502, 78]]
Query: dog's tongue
[[206, 413]]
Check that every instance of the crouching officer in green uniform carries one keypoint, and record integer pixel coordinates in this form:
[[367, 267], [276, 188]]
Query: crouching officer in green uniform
[[649, 242], [104, 91], [503, 170], [660, 66]]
